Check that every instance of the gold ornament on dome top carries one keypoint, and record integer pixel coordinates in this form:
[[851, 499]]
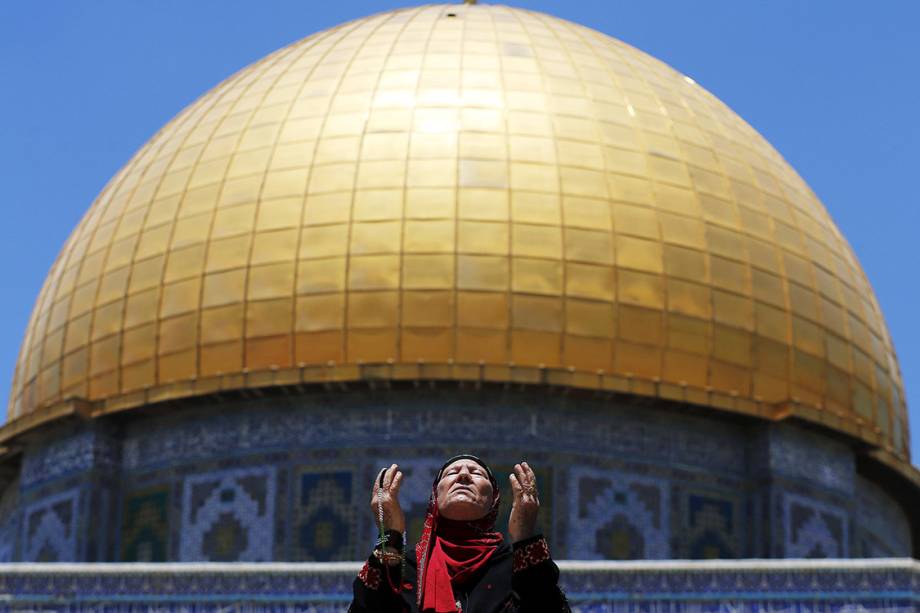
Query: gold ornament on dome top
[[500, 196]]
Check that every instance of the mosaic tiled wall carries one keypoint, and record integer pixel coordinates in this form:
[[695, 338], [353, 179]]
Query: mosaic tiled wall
[[882, 529], [802, 486], [617, 516], [49, 529], [326, 513], [289, 479], [814, 530], [9, 520], [145, 525], [228, 515], [796, 454]]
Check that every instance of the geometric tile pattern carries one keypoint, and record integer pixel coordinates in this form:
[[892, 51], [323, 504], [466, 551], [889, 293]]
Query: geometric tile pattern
[[617, 516], [813, 529], [145, 526], [326, 522], [49, 531], [712, 527], [228, 516]]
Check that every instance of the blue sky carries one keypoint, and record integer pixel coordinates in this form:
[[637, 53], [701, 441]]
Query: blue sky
[[832, 85]]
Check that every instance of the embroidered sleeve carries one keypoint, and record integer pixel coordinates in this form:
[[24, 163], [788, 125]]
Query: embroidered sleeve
[[370, 576], [530, 555], [535, 578]]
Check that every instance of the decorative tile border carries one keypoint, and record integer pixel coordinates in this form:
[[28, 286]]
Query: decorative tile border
[[618, 516], [401, 419], [227, 515], [891, 585], [325, 513], [49, 529], [813, 530]]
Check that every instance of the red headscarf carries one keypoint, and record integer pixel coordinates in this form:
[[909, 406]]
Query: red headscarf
[[450, 552]]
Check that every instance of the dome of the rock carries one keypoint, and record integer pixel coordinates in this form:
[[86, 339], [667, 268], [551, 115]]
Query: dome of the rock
[[484, 198]]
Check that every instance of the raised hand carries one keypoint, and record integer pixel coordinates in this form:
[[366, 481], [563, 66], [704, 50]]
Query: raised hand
[[523, 521], [385, 496]]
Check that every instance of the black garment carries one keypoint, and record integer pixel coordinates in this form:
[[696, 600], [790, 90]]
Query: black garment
[[519, 580]]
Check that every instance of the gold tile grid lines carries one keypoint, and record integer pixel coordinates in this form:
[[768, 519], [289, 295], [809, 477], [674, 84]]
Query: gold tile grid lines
[[500, 195]]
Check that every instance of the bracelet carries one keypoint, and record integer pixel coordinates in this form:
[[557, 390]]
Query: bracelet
[[390, 558], [392, 538]]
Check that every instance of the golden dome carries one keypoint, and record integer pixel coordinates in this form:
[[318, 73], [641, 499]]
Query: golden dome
[[462, 192]]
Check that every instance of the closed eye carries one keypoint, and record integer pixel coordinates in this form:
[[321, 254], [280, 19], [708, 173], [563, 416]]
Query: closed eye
[[473, 471]]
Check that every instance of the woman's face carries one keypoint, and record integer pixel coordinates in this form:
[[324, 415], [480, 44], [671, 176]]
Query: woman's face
[[464, 491]]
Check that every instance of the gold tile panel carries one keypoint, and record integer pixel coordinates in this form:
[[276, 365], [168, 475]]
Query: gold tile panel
[[497, 195]]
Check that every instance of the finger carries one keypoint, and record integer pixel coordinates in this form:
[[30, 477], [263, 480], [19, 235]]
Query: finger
[[529, 474], [397, 482], [516, 490], [377, 485], [520, 474], [388, 476]]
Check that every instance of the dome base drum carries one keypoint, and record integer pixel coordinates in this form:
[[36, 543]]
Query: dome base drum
[[285, 477]]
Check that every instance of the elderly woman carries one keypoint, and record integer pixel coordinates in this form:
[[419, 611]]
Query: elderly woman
[[461, 564]]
